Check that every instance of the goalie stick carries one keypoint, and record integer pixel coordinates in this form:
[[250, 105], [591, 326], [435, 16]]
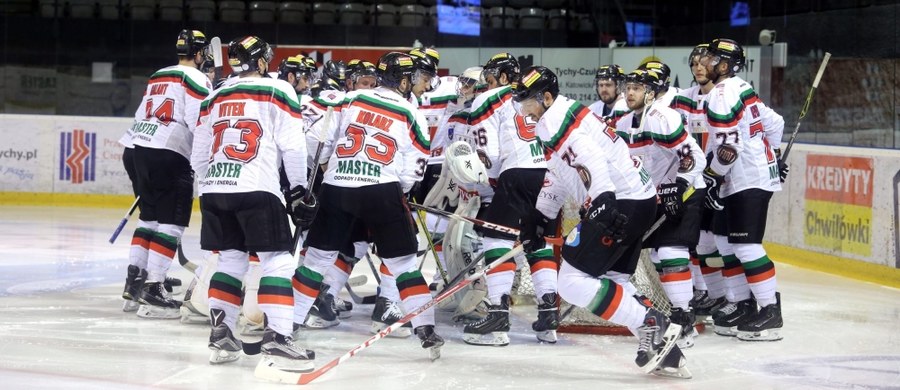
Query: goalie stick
[[124, 220], [305, 378], [806, 104], [509, 231]]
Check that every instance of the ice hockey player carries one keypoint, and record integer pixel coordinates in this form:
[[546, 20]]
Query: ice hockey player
[[296, 73], [515, 166], [609, 83], [668, 92], [741, 176], [589, 161], [360, 75], [245, 126], [372, 164], [656, 137], [161, 134]]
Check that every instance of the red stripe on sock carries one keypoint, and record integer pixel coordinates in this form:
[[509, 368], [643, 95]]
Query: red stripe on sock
[[695, 261], [343, 265], [762, 277], [732, 272], [507, 266], [270, 299], [224, 296], [709, 270], [140, 242], [544, 264], [675, 277], [614, 304], [419, 289], [304, 289], [384, 270], [169, 253]]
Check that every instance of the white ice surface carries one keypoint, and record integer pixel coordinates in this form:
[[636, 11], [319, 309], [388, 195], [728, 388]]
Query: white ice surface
[[61, 327]]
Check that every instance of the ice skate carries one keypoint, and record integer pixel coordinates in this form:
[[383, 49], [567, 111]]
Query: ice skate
[[172, 285], [548, 319], [673, 365], [492, 329], [385, 314], [223, 345], [430, 340], [730, 316], [765, 326], [321, 313], [688, 332], [280, 353], [342, 307], [657, 337], [156, 303], [704, 306], [134, 280]]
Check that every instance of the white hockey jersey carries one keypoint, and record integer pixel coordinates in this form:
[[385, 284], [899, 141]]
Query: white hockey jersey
[[246, 128], [314, 110], [735, 118], [578, 141], [689, 103], [450, 125], [504, 139], [381, 139], [617, 109], [167, 115], [663, 145]]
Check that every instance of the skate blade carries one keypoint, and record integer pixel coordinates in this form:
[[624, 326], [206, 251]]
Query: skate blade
[[434, 353], [400, 333], [765, 335], [158, 313], [221, 356], [547, 336], [314, 322], [669, 338], [495, 339], [344, 315], [267, 370], [130, 306], [727, 331], [673, 372]]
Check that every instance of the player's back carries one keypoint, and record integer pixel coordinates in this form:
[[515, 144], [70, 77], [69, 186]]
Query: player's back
[[509, 140], [166, 117]]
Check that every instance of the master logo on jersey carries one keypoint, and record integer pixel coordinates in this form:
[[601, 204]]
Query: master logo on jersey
[[77, 156]]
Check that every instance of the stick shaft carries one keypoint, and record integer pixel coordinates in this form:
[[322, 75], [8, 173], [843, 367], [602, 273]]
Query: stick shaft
[[806, 104], [115, 235]]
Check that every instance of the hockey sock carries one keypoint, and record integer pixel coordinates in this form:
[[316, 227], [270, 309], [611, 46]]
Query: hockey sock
[[623, 280], [736, 288], [675, 275], [759, 270], [162, 251], [140, 243], [696, 273], [499, 279], [388, 284], [275, 296], [307, 280], [225, 285], [602, 296], [413, 290], [543, 271], [338, 274], [712, 276]]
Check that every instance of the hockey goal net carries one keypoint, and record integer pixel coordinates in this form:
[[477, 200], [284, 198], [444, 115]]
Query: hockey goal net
[[581, 320]]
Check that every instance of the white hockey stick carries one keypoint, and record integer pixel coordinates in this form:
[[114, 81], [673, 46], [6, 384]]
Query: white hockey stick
[[806, 104], [216, 44], [263, 371], [124, 220], [320, 136]]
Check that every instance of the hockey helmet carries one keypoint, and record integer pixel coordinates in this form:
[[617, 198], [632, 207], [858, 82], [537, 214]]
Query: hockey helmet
[[649, 79], [729, 50], [427, 52], [335, 70], [662, 69], [393, 67], [502, 63], [470, 83], [360, 68], [208, 60], [290, 65], [534, 82], [190, 42], [610, 72], [425, 67], [699, 50], [243, 54]]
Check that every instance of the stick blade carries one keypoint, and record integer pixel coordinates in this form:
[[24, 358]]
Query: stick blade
[[216, 45]]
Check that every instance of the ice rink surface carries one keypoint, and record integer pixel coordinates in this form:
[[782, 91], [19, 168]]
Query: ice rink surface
[[61, 327]]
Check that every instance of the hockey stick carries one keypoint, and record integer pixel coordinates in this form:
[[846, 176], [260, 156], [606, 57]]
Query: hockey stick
[[315, 173], [124, 220], [621, 249], [276, 375], [806, 104], [477, 222], [420, 214], [184, 261], [216, 46]]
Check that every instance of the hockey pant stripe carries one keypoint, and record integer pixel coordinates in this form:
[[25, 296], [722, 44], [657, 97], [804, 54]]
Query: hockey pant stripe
[[732, 266], [142, 237], [411, 284], [275, 291], [307, 282], [226, 288], [607, 300], [493, 254]]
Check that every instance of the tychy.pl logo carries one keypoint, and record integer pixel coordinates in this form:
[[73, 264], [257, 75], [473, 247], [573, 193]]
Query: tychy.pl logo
[[77, 156]]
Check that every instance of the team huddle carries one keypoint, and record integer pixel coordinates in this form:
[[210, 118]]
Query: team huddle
[[350, 157]]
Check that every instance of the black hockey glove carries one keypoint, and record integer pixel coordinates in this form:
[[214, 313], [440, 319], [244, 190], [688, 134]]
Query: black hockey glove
[[302, 210], [534, 227], [604, 215], [713, 182], [783, 167], [671, 197]]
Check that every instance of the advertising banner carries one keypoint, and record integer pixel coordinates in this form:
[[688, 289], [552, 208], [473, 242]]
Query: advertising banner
[[838, 213]]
